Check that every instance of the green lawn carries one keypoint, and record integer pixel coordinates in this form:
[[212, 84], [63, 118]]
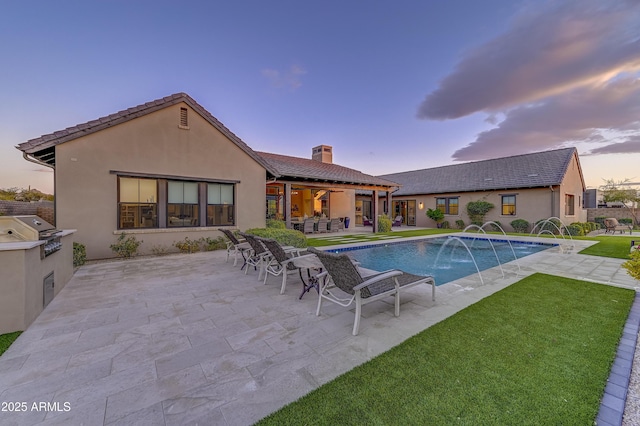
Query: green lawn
[[609, 246], [7, 339], [537, 352]]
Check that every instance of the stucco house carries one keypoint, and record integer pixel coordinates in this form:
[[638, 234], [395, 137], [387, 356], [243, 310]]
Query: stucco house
[[531, 186], [168, 169]]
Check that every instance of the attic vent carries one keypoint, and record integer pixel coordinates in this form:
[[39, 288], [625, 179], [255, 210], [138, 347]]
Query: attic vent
[[533, 175], [184, 119], [488, 179]]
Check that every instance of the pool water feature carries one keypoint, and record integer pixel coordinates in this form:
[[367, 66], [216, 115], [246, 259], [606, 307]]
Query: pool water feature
[[442, 258]]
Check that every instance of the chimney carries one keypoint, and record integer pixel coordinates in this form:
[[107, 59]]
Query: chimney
[[323, 154]]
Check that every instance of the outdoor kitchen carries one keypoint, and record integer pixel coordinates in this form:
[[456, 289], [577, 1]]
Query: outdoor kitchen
[[36, 262]]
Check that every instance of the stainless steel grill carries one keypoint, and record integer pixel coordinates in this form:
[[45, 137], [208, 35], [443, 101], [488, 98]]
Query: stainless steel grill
[[30, 228]]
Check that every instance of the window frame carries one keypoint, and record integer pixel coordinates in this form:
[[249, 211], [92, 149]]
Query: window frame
[[503, 204], [569, 207], [447, 205], [137, 215]]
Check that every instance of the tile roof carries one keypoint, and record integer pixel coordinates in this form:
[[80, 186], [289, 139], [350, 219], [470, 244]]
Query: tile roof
[[538, 169], [46, 142], [296, 168]]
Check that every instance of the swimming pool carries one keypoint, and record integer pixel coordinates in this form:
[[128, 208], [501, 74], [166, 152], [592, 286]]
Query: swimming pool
[[444, 258]]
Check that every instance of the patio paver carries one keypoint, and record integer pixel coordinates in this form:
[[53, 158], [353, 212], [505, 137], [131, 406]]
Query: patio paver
[[190, 339]]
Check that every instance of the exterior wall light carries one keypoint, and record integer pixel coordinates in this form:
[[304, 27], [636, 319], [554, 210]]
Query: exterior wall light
[[421, 205]]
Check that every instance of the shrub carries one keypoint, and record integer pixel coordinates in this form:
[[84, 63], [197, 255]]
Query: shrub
[[384, 223], [212, 244], [276, 224], [79, 254], [445, 224], [126, 246], [633, 265], [575, 230], [626, 221], [497, 226], [436, 215], [520, 225], [549, 225], [187, 245], [460, 224], [477, 210], [600, 221], [287, 237]]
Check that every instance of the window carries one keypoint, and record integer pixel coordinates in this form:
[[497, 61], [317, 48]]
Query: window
[[569, 204], [137, 203], [508, 205], [182, 204], [220, 206], [447, 205]]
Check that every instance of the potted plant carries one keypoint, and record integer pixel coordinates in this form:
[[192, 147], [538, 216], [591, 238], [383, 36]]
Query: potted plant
[[436, 215]]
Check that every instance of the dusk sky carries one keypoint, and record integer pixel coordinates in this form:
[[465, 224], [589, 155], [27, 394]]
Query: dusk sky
[[392, 86]]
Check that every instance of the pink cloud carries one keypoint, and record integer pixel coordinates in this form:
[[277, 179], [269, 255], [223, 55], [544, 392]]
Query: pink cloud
[[548, 50]]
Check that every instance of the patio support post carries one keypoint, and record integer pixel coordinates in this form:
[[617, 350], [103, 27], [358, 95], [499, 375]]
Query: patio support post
[[390, 214], [287, 205], [374, 210]]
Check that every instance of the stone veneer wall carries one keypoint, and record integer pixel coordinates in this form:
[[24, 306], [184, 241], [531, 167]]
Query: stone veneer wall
[[44, 209], [618, 213]]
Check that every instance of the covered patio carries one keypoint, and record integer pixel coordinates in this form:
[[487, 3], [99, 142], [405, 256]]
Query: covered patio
[[303, 188]]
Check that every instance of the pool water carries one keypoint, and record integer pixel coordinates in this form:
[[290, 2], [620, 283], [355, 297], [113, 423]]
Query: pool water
[[446, 259]]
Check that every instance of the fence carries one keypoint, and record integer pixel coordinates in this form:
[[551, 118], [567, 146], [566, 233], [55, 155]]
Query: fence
[[44, 209]]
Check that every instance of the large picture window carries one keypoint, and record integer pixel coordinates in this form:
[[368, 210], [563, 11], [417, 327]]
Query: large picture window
[[182, 204], [509, 205], [220, 204], [447, 205], [137, 203]]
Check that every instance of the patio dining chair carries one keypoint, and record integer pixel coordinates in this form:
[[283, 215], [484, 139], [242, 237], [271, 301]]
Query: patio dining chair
[[308, 226], [258, 255], [397, 221], [341, 273], [323, 225], [366, 221], [335, 225], [235, 246], [280, 261]]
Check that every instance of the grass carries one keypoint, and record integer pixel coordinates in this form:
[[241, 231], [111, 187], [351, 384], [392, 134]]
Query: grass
[[537, 352], [608, 246], [7, 339]]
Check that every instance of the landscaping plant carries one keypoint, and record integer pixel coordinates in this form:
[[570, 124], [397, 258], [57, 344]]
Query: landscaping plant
[[633, 265], [79, 254], [287, 237], [187, 245], [477, 210], [126, 247], [384, 223], [520, 226], [436, 215]]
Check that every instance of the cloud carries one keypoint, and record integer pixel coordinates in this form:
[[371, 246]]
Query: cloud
[[289, 79], [549, 49], [589, 114], [630, 146]]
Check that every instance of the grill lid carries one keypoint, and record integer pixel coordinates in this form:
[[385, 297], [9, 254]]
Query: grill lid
[[25, 228]]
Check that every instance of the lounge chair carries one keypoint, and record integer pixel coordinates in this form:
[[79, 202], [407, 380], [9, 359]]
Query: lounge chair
[[340, 272], [323, 225], [335, 225], [397, 221], [308, 226], [258, 255], [366, 221], [612, 225], [279, 263], [235, 246]]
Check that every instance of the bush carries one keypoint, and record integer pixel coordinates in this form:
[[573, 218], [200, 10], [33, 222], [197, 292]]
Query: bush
[[497, 226], [276, 224], [477, 210], [520, 225], [126, 247], [79, 254], [287, 237], [575, 230], [633, 265], [187, 245], [211, 244], [548, 226], [384, 224], [460, 224], [626, 221], [435, 215], [600, 221], [160, 250]]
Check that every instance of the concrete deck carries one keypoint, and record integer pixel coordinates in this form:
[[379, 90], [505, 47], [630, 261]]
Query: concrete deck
[[189, 339]]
